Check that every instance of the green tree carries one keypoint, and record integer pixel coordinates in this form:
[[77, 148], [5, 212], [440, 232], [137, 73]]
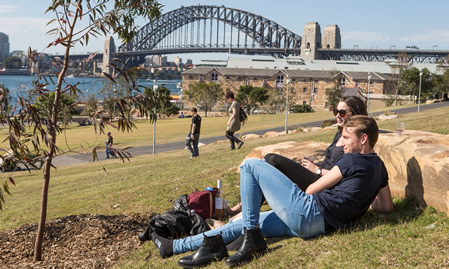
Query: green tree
[[409, 84], [75, 21], [204, 95], [12, 62], [163, 96], [441, 83], [334, 93], [44, 106], [91, 104], [252, 98]]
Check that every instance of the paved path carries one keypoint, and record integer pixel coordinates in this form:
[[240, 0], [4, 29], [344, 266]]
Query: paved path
[[75, 159]]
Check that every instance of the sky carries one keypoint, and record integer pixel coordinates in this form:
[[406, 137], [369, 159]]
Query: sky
[[377, 24]]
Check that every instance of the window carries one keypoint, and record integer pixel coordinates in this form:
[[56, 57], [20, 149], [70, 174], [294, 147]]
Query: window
[[343, 81], [315, 90], [190, 77], [304, 90], [201, 78], [293, 90], [304, 102], [326, 104], [214, 77], [316, 81], [357, 83], [280, 82]]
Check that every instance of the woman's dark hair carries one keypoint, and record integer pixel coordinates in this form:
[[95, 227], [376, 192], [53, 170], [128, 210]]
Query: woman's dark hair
[[229, 95], [355, 104]]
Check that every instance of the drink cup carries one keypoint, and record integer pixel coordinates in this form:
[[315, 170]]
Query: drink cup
[[400, 127]]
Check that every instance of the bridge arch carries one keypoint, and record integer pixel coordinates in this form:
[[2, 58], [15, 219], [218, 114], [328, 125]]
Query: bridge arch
[[270, 37]]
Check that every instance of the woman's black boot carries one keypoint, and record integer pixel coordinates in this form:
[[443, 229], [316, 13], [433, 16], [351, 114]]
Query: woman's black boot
[[212, 248], [253, 244]]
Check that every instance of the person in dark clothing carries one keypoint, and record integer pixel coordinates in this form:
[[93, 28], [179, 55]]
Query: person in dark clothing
[[306, 172], [109, 142], [193, 136], [358, 181]]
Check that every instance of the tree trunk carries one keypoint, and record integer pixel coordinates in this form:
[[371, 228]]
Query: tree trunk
[[51, 124]]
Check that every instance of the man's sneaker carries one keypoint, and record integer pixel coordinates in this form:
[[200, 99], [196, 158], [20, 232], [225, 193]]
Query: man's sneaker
[[240, 144]]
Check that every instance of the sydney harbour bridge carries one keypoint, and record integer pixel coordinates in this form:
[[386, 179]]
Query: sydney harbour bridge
[[220, 29]]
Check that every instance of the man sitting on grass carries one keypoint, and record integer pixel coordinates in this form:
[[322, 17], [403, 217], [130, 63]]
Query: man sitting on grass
[[358, 180]]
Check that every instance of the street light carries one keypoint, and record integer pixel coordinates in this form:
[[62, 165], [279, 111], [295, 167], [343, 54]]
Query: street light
[[286, 106], [419, 94], [155, 86], [369, 82]]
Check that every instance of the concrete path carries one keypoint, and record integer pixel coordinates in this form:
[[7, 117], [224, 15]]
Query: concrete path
[[76, 159]]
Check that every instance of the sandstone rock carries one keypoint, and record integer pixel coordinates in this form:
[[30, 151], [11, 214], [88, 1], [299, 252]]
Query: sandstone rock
[[418, 166], [250, 136], [417, 163], [273, 134], [293, 150], [384, 117]]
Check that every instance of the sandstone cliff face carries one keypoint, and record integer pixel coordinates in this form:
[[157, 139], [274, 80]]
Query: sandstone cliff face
[[417, 163]]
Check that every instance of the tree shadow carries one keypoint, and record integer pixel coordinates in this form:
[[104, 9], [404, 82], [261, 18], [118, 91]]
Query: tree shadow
[[414, 188]]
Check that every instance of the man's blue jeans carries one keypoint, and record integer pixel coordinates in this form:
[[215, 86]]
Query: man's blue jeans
[[193, 143], [294, 212]]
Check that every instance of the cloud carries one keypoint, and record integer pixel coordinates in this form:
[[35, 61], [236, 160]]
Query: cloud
[[437, 36], [7, 9], [368, 37], [24, 32]]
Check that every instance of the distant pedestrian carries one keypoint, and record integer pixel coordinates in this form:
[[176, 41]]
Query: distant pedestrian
[[181, 115], [109, 143], [193, 136], [234, 121]]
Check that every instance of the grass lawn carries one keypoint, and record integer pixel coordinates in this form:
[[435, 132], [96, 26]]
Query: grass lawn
[[408, 237]]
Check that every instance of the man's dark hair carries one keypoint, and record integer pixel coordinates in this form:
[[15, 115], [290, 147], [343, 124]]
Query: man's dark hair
[[193, 109], [229, 95], [363, 125], [355, 104]]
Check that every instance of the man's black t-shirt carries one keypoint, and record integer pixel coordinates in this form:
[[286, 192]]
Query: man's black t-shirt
[[363, 176], [196, 120]]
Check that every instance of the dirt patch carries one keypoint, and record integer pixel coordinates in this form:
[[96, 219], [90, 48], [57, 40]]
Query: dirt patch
[[81, 241]]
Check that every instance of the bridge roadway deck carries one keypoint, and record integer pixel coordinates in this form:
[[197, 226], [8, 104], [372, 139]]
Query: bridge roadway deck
[[76, 159]]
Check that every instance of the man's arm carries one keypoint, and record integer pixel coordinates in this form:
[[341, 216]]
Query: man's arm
[[326, 181], [383, 201], [193, 131]]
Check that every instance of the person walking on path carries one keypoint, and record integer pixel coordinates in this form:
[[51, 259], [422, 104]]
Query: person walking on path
[[193, 136], [109, 143], [234, 121]]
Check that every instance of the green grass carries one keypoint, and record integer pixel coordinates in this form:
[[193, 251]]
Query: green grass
[[150, 184]]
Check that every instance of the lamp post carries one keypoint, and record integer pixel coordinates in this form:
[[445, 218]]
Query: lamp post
[[369, 82], [155, 86], [419, 94], [286, 106]]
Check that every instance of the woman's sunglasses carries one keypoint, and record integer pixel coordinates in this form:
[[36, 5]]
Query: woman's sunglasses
[[342, 112]]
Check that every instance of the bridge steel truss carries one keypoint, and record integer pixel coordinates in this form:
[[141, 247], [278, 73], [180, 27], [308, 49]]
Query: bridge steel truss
[[376, 55], [271, 38]]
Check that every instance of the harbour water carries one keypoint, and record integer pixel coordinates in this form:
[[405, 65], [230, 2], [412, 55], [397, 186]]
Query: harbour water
[[19, 85]]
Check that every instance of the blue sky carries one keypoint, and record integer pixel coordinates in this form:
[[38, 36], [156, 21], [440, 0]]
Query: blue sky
[[368, 24]]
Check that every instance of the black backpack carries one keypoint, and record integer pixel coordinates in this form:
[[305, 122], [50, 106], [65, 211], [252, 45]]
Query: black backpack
[[243, 116]]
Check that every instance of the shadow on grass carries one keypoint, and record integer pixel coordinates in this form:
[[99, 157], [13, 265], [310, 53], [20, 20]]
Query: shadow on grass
[[405, 210]]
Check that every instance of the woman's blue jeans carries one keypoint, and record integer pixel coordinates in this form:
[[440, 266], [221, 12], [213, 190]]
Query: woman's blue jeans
[[294, 212]]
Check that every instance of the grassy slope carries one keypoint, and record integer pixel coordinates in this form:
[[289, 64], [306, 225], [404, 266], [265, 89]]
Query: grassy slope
[[149, 184]]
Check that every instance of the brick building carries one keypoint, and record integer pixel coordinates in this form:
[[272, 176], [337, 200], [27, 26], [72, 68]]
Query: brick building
[[305, 86]]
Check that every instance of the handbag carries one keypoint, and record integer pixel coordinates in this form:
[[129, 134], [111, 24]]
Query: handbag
[[203, 202]]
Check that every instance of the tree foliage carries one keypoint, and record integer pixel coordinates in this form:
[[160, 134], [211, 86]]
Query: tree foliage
[[302, 109], [163, 96], [39, 141], [334, 93], [204, 95], [44, 106], [12, 62], [410, 79], [252, 98]]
